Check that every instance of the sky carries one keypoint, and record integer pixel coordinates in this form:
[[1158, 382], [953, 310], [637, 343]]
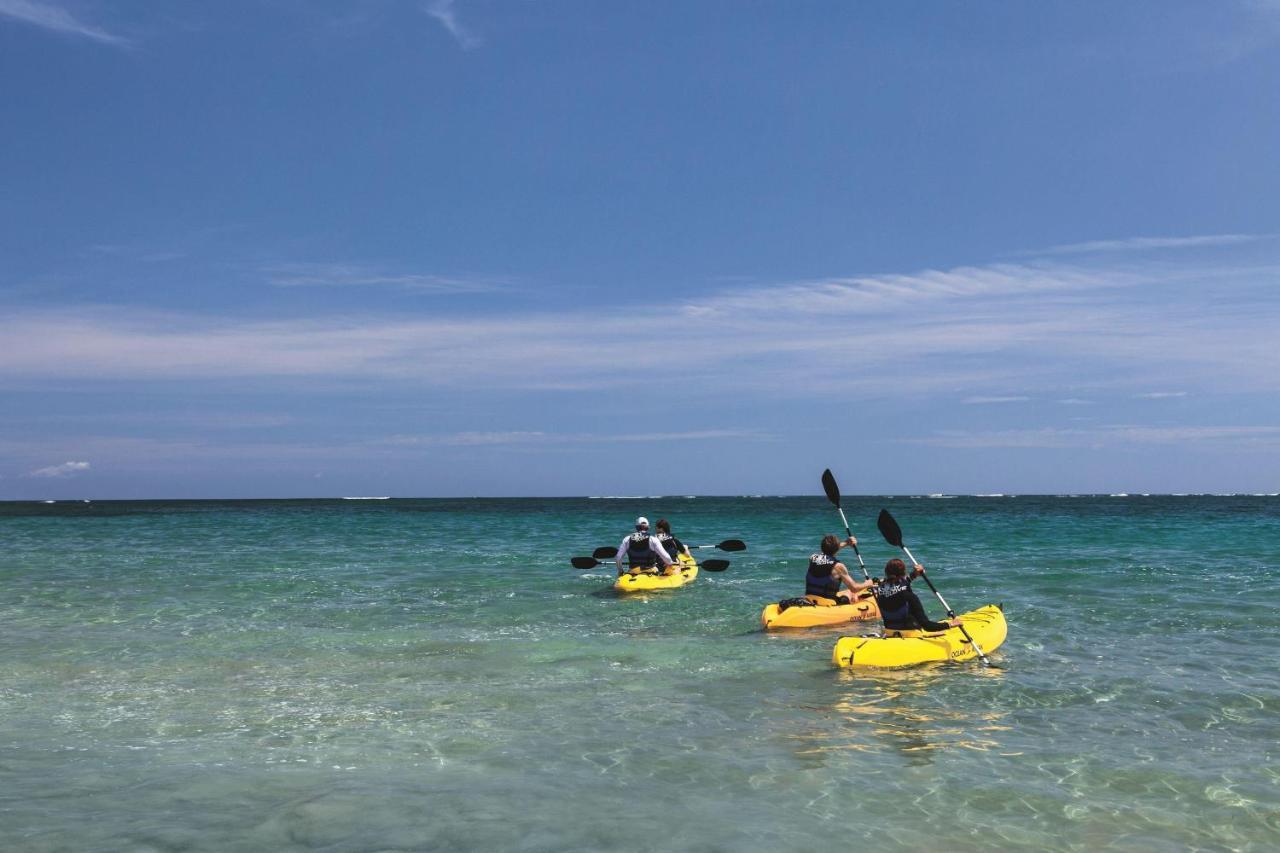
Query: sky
[[291, 248]]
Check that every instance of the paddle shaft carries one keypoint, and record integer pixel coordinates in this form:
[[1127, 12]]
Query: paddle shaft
[[585, 563], [947, 607], [607, 552], [856, 552]]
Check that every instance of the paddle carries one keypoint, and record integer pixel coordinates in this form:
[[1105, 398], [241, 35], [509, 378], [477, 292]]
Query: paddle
[[726, 545], [833, 495], [893, 535], [604, 552], [591, 563]]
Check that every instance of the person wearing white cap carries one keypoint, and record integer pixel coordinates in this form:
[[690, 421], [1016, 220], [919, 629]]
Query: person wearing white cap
[[642, 551]]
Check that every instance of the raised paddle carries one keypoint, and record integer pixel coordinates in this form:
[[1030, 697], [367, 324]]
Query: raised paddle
[[604, 552], [833, 495], [591, 563], [892, 534]]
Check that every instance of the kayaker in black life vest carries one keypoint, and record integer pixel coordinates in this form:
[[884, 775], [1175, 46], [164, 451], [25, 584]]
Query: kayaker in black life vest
[[642, 551], [900, 608], [673, 546], [826, 573]]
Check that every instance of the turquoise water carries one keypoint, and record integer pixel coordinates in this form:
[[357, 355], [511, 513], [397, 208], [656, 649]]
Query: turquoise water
[[432, 675]]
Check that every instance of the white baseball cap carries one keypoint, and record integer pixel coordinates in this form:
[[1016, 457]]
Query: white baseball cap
[[642, 522]]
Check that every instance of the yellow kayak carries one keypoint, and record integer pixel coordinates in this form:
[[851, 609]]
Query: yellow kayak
[[823, 612], [906, 648], [646, 581]]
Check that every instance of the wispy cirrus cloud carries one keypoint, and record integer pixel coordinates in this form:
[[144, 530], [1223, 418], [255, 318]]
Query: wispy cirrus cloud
[[896, 291], [58, 19], [354, 275], [991, 400], [1058, 438], [137, 453], [1140, 244], [57, 472], [480, 439], [1161, 395], [971, 331], [445, 12]]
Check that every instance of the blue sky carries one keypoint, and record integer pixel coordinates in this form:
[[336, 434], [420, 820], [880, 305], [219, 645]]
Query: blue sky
[[288, 248]]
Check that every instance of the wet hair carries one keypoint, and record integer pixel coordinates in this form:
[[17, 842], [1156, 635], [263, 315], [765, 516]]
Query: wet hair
[[895, 568], [664, 526], [830, 544]]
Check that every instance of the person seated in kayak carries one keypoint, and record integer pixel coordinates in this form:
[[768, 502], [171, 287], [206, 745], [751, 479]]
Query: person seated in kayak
[[826, 574], [643, 552], [900, 608], [673, 546]]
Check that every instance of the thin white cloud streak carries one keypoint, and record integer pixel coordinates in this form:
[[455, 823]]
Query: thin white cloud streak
[[482, 439], [444, 12], [883, 293], [976, 331], [57, 19], [350, 275], [139, 455], [983, 401], [58, 472], [1141, 244], [1161, 395], [1228, 437], [210, 421], [135, 453]]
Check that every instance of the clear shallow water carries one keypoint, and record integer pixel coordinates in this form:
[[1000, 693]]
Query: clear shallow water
[[394, 675]]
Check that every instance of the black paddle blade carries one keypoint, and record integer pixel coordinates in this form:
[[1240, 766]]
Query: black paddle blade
[[604, 552], [714, 565], [584, 562], [829, 485], [889, 529], [732, 545]]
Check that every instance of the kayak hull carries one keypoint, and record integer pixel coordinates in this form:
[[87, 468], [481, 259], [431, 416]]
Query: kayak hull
[[774, 618], [649, 581], [907, 648]]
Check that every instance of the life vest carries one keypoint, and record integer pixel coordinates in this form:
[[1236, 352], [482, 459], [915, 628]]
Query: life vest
[[671, 545], [640, 555], [818, 580], [894, 598]]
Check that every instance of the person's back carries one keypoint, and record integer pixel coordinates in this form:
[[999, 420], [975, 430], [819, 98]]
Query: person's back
[[900, 608], [642, 551], [673, 546], [826, 574]]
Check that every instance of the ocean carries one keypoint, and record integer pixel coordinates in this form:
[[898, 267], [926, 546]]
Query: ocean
[[376, 675]]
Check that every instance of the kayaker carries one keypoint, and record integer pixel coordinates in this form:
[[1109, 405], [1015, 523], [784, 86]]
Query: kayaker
[[673, 546], [642, 551], [826, 574], [900, 608]]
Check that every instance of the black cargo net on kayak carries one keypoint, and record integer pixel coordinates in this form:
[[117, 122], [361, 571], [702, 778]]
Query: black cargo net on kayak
[[794, 602]]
